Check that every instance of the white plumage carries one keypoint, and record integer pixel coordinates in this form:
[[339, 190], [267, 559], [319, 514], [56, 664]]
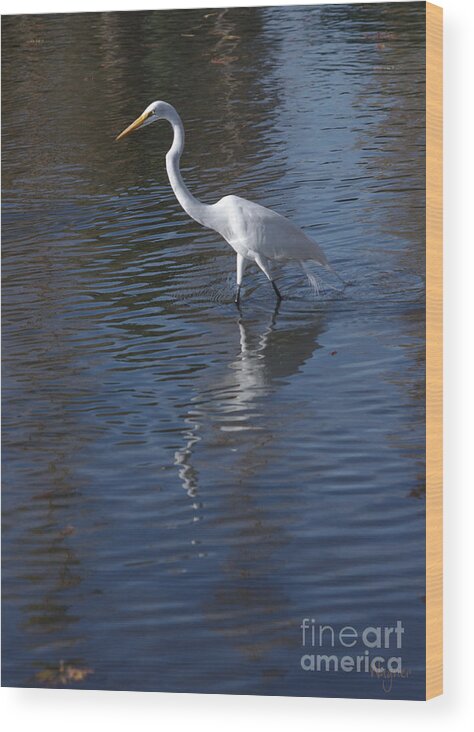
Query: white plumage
[[257, 234]]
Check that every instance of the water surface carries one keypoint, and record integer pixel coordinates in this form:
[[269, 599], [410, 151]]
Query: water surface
[[184, 482]]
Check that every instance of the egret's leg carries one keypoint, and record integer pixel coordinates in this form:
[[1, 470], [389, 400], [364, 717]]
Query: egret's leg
[[277, 291], [241, 265], [262, 263]]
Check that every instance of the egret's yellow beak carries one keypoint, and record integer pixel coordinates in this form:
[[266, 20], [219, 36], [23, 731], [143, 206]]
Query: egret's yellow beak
[[134, 126]]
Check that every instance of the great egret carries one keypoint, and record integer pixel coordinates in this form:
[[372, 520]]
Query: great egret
[[256, 233]]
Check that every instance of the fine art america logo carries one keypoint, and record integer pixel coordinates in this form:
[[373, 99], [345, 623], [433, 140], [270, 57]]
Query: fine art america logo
[[374, 650]]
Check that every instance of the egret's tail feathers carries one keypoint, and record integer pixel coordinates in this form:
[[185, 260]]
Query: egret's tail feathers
[[314, 281]]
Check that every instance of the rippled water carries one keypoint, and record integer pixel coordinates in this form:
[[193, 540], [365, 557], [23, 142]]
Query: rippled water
[[183, 483]]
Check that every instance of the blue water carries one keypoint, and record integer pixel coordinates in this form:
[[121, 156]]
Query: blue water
[[184, 483]]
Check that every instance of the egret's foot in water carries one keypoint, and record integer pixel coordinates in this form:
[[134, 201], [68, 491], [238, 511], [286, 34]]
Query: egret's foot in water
[[237, 296], [277, 291]]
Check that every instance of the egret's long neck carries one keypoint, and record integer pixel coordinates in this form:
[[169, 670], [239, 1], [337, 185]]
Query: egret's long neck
[[191, 205]]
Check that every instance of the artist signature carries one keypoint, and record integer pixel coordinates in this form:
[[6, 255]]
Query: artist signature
[[387, 677]]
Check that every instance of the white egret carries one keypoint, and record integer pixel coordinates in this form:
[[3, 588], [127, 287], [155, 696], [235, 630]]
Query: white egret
[[257, 234]]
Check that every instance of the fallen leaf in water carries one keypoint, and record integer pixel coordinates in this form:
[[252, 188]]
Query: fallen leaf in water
[[333, 353], [65, 674], [48, 676], [76, 674], [231, 38]]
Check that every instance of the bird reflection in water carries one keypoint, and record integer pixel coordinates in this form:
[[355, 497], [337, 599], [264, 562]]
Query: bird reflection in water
[[248, 381], [267, 359], [237, 412]]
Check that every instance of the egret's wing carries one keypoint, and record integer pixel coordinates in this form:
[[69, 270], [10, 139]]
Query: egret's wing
[[264, 231]]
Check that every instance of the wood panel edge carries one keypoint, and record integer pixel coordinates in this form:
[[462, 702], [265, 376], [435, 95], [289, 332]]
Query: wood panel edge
[[434, 351]]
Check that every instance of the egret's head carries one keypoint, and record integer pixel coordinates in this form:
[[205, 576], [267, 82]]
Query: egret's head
[[154, 112]]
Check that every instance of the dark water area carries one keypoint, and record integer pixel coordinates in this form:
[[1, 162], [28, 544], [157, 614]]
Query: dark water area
[[184, 483]]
